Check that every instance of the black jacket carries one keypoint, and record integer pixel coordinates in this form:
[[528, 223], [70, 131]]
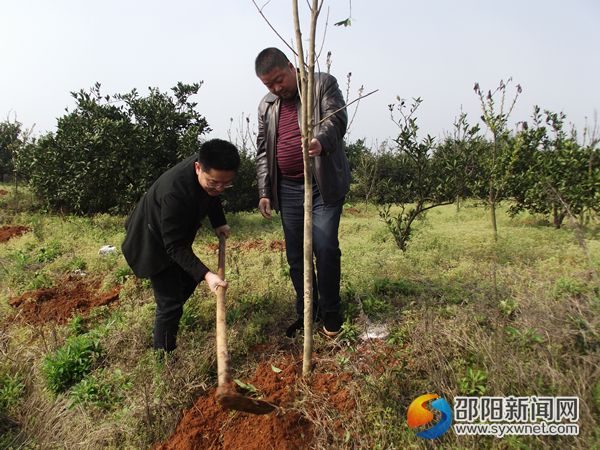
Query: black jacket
[[162, 227], [331, 170]]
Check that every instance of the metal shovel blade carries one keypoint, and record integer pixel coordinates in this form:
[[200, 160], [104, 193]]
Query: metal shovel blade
[[233, 400]]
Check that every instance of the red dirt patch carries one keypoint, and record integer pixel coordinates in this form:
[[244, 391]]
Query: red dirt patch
[[58, 304], [254, 244], [207, 425], [332, 385], [277, 246], [3, 192], [7, 232], [352, 211]]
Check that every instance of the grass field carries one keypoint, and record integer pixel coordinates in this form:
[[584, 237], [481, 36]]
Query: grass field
[[450, 330]]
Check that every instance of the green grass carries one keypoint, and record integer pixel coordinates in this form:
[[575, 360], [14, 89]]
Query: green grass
[[451, 330]]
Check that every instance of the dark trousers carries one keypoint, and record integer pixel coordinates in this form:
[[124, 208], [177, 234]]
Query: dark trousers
[[326, 248], [172, 287]]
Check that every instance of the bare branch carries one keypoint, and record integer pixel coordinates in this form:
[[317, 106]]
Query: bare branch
[[348, 78], [345, 106], [272, 27], [351, 121], [324, 36]]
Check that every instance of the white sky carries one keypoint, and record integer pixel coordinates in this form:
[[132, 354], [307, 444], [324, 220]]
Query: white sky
[[433, 49]]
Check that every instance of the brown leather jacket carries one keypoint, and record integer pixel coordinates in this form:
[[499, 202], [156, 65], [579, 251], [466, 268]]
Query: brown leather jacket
[[331, 169]]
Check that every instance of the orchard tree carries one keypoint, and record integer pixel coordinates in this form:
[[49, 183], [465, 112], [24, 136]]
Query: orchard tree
[[460, 156], [108, 150], [549, 172], [366, 168], [10, 132]]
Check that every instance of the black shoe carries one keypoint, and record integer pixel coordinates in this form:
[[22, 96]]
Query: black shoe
[[332, 323], [318, 316], [298, 325], [294, 328]]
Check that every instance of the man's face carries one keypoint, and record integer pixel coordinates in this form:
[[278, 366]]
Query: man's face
[[214, 181], [281, 81]]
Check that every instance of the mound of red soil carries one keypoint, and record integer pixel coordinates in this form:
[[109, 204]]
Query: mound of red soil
[[207, 425], [254, 244], [58, 304], [7, 232]]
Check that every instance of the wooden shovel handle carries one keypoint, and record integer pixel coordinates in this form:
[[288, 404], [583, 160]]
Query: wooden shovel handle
[[221, 269], [223, 371]]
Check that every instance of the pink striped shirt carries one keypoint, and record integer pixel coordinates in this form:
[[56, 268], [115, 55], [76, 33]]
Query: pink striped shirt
[[289, 143]]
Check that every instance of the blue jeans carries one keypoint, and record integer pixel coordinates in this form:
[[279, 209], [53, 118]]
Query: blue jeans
[[172, 287], [326, 247]]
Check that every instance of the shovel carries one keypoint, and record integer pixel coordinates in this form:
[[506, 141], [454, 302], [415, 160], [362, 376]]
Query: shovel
[[227, 395]]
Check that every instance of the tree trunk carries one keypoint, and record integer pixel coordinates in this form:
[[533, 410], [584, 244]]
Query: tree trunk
[[492, 202], [306, 88], [558, 215]]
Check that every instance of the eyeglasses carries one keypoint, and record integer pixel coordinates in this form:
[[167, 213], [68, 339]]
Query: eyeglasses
[[215, 185], [209, 182]]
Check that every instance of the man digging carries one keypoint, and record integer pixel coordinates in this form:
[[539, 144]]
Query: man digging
[[161, 230]]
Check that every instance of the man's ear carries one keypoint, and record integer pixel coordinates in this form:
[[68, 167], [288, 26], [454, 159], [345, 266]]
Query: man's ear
[[197, 167]]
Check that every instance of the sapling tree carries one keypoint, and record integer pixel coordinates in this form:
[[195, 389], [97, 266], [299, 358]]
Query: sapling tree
[[306, 82], [496, 112], [428, 184]]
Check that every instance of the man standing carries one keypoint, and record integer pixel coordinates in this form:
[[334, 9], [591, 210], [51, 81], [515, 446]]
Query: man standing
[[280, 174], [162, 228]]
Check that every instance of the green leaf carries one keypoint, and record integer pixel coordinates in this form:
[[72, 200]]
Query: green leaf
[[246, 386], [275, 369], [345, 23]]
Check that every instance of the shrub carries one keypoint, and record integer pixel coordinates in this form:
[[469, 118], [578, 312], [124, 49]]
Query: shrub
[[71, 362], [376, 307], [566, 287], [104, 390], [474, 382], [50, 252], [108, 150], [11, 390]]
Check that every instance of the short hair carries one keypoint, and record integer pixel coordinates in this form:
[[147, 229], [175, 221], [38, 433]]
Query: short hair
[[269, 59], [219, 155]]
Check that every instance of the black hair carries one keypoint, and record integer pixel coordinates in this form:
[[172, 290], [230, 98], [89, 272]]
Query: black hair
[[219, 155], [269, 59]]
